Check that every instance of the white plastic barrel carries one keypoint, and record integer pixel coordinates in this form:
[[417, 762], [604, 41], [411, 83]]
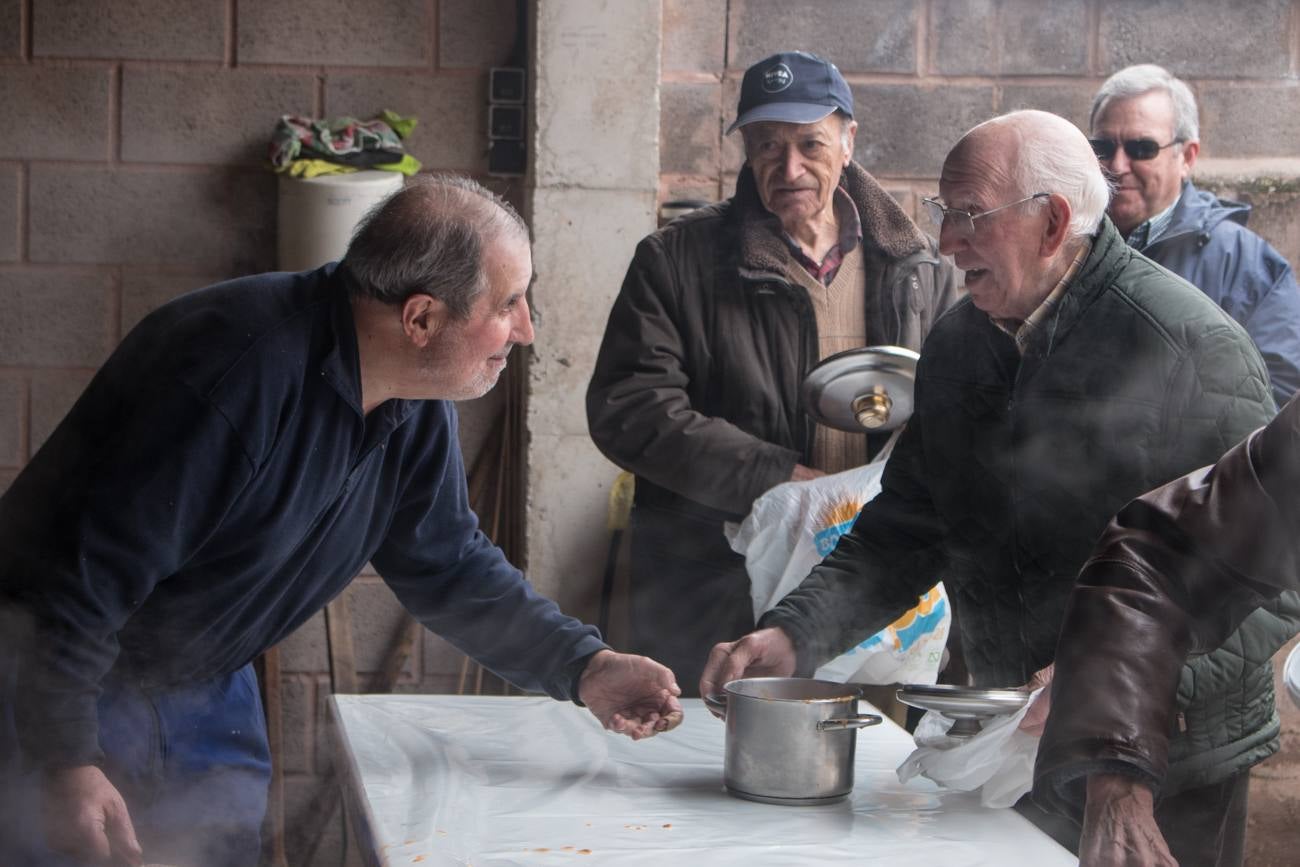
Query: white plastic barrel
[[317, 215]]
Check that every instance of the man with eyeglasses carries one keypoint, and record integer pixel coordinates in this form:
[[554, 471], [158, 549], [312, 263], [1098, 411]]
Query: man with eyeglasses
[[1145, 132], [720, 316], [1074, 376]]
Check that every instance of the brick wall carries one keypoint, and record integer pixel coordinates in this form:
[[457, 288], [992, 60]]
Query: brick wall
[[923, 73], [131, 170]]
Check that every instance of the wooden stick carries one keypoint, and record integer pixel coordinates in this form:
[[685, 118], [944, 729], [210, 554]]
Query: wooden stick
[[268, 666]]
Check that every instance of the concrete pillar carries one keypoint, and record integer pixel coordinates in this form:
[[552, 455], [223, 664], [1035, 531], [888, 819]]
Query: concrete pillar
[[595, 171]]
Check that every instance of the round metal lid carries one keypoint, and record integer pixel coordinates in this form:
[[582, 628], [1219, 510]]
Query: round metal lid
[[963, 701], [862, 390]]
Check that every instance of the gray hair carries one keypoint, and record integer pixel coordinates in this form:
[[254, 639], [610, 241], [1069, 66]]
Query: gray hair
[[429, 238], [1142, 79]]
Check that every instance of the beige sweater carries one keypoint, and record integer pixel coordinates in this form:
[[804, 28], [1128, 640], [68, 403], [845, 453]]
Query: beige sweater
[[841, 311]]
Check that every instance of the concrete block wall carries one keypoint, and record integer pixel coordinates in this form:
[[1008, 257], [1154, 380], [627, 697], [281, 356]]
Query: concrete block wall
[[925, 71], [131, 170], [595, 175]]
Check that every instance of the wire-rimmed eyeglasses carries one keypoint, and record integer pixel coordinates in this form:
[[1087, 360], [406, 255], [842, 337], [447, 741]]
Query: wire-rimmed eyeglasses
[[964, 221]]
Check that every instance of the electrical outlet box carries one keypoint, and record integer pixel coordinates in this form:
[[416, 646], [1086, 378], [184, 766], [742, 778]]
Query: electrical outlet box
[[506, 122], [506, 85], [507, 157]]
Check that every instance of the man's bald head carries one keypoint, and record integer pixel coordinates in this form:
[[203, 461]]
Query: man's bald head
[[1038, 151], [1022, 190]]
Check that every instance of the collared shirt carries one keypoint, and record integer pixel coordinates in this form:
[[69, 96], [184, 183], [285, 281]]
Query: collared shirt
[[1022, 331], [1147, 233], [850, 236]]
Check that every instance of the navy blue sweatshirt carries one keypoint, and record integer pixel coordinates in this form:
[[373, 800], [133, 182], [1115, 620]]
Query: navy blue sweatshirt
[[217, 483]]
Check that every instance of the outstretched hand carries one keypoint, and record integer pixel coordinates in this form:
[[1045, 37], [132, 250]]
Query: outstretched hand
[[764, 653], [631, 695], [1119, 826], [86, 817]]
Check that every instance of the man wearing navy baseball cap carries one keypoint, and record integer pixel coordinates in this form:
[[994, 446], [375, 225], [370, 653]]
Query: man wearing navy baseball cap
[[792, 87], [722, 312]]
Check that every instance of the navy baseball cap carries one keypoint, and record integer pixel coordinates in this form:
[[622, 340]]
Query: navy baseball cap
[[792, 87]]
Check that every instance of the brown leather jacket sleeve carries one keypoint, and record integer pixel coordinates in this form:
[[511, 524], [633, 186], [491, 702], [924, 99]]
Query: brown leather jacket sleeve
[[1175, 573]]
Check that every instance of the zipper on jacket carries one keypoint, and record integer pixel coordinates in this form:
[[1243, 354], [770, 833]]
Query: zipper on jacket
[[770, 283], [1015, 518]]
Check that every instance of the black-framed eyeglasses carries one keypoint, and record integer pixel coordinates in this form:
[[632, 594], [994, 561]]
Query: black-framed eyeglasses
[[1139, 149], [964, 221]]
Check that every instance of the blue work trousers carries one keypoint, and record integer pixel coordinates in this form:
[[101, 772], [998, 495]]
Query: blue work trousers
[[191, 762]]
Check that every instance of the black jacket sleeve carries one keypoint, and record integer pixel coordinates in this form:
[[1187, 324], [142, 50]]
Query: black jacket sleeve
[[639, 408], [891, 556]]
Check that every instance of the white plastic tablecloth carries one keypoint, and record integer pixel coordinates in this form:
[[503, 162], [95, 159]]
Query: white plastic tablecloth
[[442, 780]]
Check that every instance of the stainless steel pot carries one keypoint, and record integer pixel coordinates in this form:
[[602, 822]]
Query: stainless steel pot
[[790, 740]]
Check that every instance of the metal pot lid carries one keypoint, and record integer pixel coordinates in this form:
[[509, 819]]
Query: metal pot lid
[[963, 702], [862, 390]]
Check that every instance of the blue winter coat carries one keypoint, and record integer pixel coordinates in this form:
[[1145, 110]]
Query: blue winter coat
[[1208, 245]]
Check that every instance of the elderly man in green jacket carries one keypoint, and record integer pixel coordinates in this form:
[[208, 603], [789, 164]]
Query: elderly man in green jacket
[[1076, 375]]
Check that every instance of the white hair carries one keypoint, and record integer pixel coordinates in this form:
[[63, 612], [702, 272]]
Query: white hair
[[1142, 79], [1084, 186], [1055, 158]]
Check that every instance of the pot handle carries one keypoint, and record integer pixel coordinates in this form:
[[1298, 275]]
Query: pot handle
[[860, 721], [716, 702]]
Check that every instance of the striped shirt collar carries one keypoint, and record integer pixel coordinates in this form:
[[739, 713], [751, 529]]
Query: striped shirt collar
[[1149, 232], [1024, 331]]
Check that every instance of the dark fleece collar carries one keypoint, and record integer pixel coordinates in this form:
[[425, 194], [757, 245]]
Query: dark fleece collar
[[886, 229]]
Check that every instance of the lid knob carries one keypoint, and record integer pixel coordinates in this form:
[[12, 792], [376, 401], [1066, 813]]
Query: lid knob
[[872, 409]]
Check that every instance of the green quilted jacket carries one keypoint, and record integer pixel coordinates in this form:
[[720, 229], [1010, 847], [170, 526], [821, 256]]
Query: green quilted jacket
[[1011, 467]]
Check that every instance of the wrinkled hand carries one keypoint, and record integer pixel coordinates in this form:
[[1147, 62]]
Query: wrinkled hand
[[631, 695], [1035, 719], [764, 653], [803, 474], [86, 817], [1119, 826]]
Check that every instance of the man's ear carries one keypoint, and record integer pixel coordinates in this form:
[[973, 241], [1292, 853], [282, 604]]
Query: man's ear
[[1187, 158], [1058, 224], [423, 316]]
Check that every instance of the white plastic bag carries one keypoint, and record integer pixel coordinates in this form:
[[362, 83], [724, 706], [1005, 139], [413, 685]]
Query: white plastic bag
[[788, 532], [1291, 675], [999, 761]]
